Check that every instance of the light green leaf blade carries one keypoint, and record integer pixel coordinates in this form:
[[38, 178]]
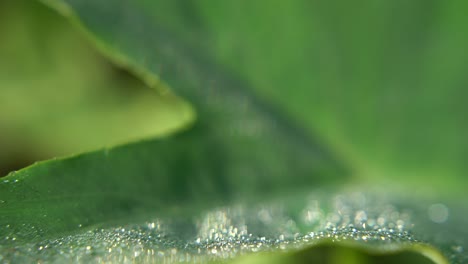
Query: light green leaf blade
[[60, 96]]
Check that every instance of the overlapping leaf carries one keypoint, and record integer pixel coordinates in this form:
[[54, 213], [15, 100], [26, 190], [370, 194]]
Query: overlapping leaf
[[148, 201]]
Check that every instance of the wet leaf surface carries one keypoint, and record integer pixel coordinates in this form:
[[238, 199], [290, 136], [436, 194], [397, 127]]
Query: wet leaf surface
[[295, 180]]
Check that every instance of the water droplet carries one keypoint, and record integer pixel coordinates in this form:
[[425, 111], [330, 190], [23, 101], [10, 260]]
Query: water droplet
[[137, 250], [361, 216], [264, 216], [458, 249], [438, 213]]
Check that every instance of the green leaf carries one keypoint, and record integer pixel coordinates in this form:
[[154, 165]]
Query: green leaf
[[60, 96], [246, 178]]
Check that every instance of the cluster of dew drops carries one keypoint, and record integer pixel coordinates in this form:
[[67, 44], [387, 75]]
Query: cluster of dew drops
[[229, 232]]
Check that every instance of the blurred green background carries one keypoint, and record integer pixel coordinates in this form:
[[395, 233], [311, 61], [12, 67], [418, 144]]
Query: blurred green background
[[382, 83]]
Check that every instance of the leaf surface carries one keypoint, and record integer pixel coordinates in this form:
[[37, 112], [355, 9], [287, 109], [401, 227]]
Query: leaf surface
[[246, 177]]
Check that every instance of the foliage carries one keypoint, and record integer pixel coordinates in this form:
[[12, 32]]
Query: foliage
[[301, 130]]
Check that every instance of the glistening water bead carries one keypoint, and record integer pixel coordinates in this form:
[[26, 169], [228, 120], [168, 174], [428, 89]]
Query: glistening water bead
[[438, 213]]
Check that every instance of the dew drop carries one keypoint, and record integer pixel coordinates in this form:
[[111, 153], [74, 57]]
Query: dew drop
[[458, 249], [438, 213]]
